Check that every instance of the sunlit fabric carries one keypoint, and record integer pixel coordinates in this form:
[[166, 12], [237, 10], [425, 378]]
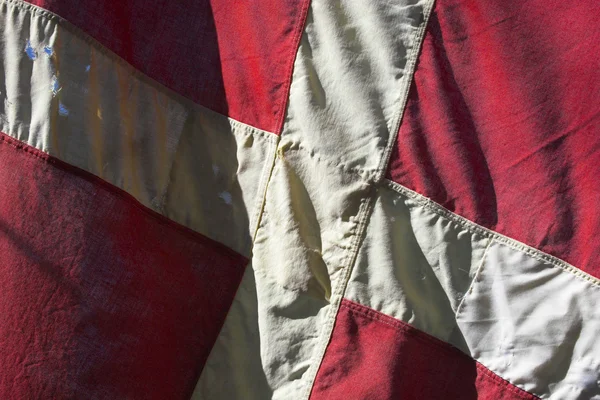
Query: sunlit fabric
[[302, 200]]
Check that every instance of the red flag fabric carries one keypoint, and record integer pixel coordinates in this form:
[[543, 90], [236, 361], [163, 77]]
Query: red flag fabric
[[299, 200]]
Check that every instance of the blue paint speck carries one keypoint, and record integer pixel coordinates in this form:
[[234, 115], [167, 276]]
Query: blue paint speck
[[55, 86], [62, 110], [226, 197], [48, 50], [30, 51], [87, 68]]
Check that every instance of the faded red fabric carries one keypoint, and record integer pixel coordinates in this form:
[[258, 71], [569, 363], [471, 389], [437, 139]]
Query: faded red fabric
[[101, 297], [374, 356], [235, 58], [502, 123]]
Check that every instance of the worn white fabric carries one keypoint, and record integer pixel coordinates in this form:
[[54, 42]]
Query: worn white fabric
[[310, 228], [234, 368], [534, 324], [351, 77], [66, 95], [415, 265], [298, 254], [346, 99], [529, 317]]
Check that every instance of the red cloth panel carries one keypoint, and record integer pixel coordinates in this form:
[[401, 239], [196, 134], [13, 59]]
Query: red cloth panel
[[235, 58], [101, 297], [502, 123], [376, 357]]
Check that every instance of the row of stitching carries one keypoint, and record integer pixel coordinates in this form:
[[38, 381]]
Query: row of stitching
[[475, 277], [36, 153], [265, 178], [31, 8], [5, 128], [239, 130], [299, 29], [264, 216], [410, 69], [509, 386], [478, 229], [245, 129], [399, 325], [240, 133], [64, 24], [492, 237], [365, 209], [427, 339]]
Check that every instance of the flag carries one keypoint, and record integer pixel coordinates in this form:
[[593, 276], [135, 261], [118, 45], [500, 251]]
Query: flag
[[299, 199]]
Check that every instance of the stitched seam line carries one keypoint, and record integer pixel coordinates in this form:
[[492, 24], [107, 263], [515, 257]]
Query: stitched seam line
[[244, 132], [50, 156], [509, 386], [475, 277], [247, 129], [6, 128], [337, 295], [267, 175], [32, 151], [368, 203], [80, 34], [240, 129], [410, 70], [423, 337], [498, 237], [299, 29]]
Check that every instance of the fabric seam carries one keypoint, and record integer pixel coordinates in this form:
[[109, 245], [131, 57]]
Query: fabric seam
[[338, 295], [410, 68], [238, 135], [299, 29], [57, 163], [65, 24], [417, 334], [263, 197], [368, 203], [475, 277], [275, 138], [498, 237]]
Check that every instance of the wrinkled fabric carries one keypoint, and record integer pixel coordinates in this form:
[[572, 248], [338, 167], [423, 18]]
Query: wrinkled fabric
[[335, 137], [233, 59], [85, 106], [101, 297], [525, 316], [374, 356], [502, 121], [534, 324], [139, 131], [416, 265]]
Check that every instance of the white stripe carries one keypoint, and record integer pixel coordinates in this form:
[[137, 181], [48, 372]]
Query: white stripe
[[71, 98], [350, 75], [535, 325], [415, 265], [527, 316]]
